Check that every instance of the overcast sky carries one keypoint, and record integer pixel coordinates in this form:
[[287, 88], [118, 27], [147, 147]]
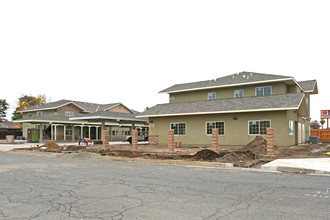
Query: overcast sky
[[127, 51]]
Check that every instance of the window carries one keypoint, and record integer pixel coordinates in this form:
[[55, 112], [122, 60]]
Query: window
[[238, 93], [290, 127], [125, 133], [259, 127], [263, 91], [172, 98], [68, 131], [179, 128], [69, 114], [215, 124], [211, 96], [114, 133]]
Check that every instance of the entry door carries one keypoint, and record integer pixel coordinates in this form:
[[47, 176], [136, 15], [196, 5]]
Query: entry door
[[299, 133]]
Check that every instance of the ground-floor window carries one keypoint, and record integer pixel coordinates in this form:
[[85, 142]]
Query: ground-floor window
[[125, 133], [215, 124], [259, 127], [290, 127], [179, 128], [114, 132]]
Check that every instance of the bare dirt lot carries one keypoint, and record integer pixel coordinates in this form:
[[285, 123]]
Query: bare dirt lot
[[251, 155]]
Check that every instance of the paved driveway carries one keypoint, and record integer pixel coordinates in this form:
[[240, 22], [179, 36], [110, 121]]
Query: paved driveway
[[40, 187]]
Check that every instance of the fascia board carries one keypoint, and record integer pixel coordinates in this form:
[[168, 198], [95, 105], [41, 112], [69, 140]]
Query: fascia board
[[117, 105], [230, 85], [59, 106], [220, 112], [105, 118]]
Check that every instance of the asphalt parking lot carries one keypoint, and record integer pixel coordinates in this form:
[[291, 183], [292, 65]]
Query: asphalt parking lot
[[40, 187]]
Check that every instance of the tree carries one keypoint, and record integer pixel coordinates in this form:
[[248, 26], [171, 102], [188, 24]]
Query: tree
[[3, 108], [315, 125], [322, 122], [25, 102]]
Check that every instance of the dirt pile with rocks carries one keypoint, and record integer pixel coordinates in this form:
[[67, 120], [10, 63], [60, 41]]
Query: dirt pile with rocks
[[51, 145]]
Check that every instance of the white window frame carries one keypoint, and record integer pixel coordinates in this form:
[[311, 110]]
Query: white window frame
[[263, 90], [291, 129], [238, 91], [210, 94], [69, 114], [224, 128], [270, 125], [185, 126], [114, 132]]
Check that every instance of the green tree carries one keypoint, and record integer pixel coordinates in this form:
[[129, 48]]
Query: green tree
[[25, 102], [3, 108], [322, 122]]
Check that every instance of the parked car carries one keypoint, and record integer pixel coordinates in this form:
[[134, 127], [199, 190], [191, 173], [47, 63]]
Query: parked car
[[142, 136]]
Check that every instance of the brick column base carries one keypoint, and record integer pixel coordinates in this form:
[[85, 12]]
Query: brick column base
[[215, 139], [10, 139], [105, 141], [171, 140], [270, 142], [134, 140], [153, 139]]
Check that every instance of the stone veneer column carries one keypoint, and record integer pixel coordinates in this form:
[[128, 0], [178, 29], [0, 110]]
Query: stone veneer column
[[270, 142], [171, 140], [215, 139], [105, 138], [134, 140]]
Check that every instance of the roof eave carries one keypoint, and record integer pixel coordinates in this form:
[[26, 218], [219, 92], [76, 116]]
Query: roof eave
[[230, 85], [220, 112]]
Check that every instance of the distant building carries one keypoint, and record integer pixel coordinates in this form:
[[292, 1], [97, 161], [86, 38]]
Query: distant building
[[69, 120]]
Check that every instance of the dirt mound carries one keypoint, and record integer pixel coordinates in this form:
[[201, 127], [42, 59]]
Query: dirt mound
[[238, 156], [73, 148], [124, 153], [257, 146], [205, 155], [51, 145]]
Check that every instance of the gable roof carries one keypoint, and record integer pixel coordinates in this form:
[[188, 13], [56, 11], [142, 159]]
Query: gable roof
[[106, 115], [246, 104], [241, 78], [85, 106], [309, 86]]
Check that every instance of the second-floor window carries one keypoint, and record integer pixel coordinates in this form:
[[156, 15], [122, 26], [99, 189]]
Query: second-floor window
[[69, 114], [211, 96], [263, 91], [238, 93]]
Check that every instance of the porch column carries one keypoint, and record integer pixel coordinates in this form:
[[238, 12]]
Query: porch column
[[72, 133], [82, 131], [89, 132], [102, 129], [110, 133], [51, 132], [64, 133], [55, 132], [40, 133]]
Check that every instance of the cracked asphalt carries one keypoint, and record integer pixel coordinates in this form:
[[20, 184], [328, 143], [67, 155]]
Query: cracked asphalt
[[37, 187]]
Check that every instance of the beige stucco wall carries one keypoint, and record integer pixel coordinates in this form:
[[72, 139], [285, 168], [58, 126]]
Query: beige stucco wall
[[236, 131], [228, 92]]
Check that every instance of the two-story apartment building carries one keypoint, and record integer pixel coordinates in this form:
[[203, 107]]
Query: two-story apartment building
[[241, 106], [70, 120]]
